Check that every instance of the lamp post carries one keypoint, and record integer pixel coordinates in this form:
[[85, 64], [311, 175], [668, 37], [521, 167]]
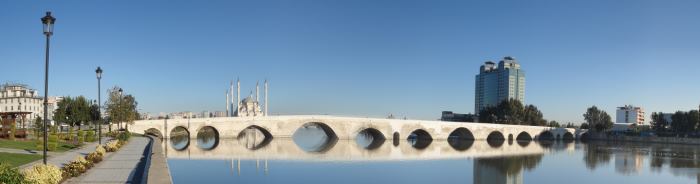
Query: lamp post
[[98, 72], [120, 107], [48, 22]]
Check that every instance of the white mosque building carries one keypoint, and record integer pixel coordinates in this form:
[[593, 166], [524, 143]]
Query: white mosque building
[[248, 106]]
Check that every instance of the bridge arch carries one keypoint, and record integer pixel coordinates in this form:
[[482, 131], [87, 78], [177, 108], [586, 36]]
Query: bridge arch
[[179, 138], [154, 132], [495, 139], [374, 136], [546, 136], [568, 136], [207, 137], [330, 140], [420, 138], [254, 137], [524, 136], [461, 133], [461, 139]]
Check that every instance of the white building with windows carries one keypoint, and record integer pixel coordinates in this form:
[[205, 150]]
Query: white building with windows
[[21, 98], [629, 114]]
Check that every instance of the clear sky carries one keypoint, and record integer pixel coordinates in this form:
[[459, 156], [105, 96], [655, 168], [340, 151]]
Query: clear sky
[[362, 57]]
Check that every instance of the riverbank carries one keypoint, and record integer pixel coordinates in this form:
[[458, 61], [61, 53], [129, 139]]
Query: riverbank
[[660, 140], [124, 166], [158, 171]]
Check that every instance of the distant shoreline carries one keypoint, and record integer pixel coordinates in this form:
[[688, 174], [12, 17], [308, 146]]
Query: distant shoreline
[[659, 140]]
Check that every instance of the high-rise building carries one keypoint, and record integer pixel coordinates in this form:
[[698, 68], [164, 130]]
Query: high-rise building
[[498, 83], [630, 115]]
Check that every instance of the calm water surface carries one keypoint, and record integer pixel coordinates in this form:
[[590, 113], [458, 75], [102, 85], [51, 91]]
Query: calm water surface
[[313, 157]]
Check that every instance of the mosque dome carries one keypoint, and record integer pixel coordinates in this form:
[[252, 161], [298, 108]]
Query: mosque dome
[[248, 100]]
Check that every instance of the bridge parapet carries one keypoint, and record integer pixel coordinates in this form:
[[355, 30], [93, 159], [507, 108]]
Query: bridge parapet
[[348, 127]]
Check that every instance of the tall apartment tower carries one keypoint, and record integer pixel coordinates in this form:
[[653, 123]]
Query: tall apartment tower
[[498, 83]]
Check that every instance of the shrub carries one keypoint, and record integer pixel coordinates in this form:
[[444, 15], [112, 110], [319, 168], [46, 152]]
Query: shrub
[[94, 157], [81, 136], [76, 167], [83, 161], [53, 143], [90, 136], [73, 169], [9, 174], [42, 174], [100, 150], [124, 136], [112, 146]]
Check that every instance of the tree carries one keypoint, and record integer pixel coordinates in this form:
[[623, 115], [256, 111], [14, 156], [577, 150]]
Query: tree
[[658, 122], [585, 126], [512, 112], [95, 113], [121, 108], [554, 124], [73, 111], [599, 120]]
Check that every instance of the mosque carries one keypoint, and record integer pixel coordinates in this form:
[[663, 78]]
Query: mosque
[[248, 106]]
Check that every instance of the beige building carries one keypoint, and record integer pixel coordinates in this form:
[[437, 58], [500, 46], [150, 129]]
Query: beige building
[[21, 98], [629, 114]]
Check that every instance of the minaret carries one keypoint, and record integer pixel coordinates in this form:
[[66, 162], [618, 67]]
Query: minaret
[[238, 95], [257, 88], [266, 87], [232, 99], [227, 104]]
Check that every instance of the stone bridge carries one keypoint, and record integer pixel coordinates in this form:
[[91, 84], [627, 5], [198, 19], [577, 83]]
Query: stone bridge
[[343, 128]]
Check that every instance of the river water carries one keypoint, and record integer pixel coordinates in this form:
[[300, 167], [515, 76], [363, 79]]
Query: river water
[[312, 157]]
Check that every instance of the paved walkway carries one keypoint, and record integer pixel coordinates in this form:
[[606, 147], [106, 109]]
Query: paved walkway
[[58, 158], [123, 166]]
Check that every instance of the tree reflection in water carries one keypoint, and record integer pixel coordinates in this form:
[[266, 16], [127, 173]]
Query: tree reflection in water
[[504, 169], [595, 155], [629, 157]]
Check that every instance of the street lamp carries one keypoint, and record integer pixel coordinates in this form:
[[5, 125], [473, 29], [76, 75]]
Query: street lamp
[[48, 22], [98, 72], [120, 106]]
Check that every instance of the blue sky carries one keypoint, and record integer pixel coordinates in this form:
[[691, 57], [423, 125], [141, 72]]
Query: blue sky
[[362, 57]]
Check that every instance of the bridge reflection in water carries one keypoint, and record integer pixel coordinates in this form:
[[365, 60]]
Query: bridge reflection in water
[[500, 161]]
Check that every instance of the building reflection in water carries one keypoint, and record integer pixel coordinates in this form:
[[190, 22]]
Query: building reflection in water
[[629, 157]]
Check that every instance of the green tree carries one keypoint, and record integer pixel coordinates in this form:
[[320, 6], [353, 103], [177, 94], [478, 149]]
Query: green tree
[[73, 111], [512, 112], [553, 124], [658, 122], [584, 126], [121, 107], [95, 114], [599, 120]]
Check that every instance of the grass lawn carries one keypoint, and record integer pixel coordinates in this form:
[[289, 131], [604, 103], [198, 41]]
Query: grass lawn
[[17, 160], [31, 145]]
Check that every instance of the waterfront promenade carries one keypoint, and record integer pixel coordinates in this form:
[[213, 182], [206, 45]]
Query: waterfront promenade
[[124, 166]]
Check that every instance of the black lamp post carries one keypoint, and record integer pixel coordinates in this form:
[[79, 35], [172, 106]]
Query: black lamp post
[[120, 106], [98, 72], [48, 22]]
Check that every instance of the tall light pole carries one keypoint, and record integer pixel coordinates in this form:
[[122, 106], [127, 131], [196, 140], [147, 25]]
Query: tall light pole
[[98, 72], [120, 107], [48, 22]]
